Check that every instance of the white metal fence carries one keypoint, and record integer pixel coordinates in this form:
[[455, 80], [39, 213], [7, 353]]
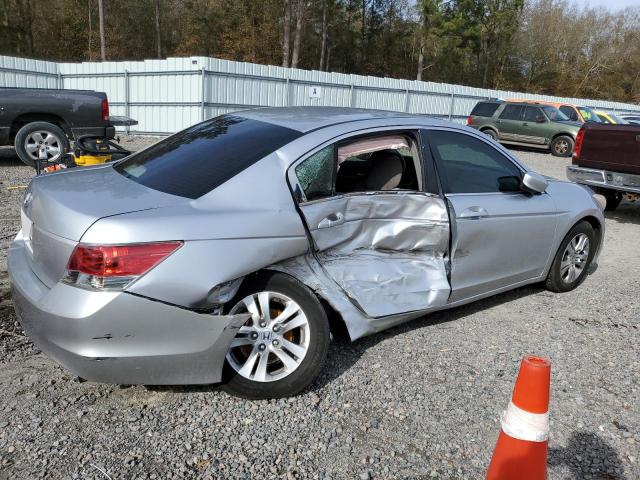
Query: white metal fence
[[168, 95]]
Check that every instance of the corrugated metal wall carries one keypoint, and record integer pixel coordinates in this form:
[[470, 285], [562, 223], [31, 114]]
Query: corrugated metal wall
[[168, 95]]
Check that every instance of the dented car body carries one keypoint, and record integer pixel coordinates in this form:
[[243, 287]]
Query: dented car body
[[383, 216]]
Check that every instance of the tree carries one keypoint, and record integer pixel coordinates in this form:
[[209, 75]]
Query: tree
[[286, 38], [295, 56], [158, 36], [103, 47]]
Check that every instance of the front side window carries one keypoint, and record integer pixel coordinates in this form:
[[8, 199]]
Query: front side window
[[533, 114], [372, 163], [194, 161], [511, 112], [554, 114], [570, 112], [589, 115], [469, 165]]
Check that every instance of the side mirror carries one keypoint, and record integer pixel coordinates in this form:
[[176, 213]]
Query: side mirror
[[534, 183], [540, 119]]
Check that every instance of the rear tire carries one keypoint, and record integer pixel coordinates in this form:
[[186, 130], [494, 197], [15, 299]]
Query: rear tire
[[36, 135], [490, 133], [287, 369], [562, 146], [613, 198], [573, 259]]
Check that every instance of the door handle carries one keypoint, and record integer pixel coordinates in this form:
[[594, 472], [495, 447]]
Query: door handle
[[331, 220], [473, 213], [525, 124]]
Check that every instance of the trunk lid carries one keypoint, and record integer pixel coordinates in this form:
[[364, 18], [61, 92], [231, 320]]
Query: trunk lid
[[58, 208]]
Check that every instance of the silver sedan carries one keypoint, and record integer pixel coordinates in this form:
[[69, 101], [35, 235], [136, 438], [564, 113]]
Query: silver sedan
[[220, 253]]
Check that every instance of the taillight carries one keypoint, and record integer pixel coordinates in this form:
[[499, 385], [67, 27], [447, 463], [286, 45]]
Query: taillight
[[115, 266], [578, 146], [105, 109], [470, 120]]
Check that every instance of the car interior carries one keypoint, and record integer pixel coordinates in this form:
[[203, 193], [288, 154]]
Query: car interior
[[378, 164]]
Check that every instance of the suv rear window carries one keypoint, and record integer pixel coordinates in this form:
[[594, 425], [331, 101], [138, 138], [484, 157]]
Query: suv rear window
[[194, 161], [485, 109]]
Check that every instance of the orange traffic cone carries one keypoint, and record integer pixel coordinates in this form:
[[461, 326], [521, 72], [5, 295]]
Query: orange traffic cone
[[521, 450]]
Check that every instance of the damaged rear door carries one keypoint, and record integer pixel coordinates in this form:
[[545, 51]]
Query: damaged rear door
[[374, 229]]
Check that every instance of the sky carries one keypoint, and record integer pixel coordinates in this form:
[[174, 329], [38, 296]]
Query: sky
[[612, 4]]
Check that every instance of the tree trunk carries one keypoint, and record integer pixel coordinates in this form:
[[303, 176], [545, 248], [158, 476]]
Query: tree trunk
[[103, 47], [295, 56], [286, 39], [420, 59], [90, 31], [363, 32], [324, 35], [158, 36]]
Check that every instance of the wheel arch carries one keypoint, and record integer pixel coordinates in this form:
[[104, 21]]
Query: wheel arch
[[489, 127], [597, 227], [563, 134], [26, 118], [337, 325]]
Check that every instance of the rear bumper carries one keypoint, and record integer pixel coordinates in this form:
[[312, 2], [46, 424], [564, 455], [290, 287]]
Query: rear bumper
[[108, 132], [624, 182], [116, 337]]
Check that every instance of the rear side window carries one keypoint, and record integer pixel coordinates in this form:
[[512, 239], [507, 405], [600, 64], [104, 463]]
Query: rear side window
[[485, 109], [194, 161], [511, 112]]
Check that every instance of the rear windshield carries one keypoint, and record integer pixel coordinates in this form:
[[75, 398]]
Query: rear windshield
[[485, 109], [194, 161]]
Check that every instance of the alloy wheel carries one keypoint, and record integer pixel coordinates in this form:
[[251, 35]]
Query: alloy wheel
[[574, 258], [562, 147], [43, 145], [273, 342]]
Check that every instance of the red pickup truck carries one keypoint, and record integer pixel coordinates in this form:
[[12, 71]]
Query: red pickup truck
[[607, 158]]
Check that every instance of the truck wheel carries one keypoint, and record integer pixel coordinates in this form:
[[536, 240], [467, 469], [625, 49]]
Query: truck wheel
[[613, 199], [41, 137], [562, 146]]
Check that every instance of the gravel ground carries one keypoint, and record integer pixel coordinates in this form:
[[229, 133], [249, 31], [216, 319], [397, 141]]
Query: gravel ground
[[418, 401]]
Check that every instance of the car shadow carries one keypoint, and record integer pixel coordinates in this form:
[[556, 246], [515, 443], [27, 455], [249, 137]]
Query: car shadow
[[9, 158], [588, 456], [343, 353], [627, 212]]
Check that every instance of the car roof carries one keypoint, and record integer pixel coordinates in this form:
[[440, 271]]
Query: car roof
[[305, 119]]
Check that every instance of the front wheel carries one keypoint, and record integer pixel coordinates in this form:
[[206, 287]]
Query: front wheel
[[562, 146], [281, 349], [573, 259]]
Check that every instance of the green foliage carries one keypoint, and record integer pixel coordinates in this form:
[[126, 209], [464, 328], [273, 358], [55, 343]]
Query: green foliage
[[546, 46]]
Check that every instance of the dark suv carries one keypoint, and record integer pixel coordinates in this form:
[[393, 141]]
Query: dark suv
[[526, 124]]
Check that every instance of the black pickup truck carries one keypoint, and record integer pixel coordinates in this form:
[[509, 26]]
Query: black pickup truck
[[41, 122]]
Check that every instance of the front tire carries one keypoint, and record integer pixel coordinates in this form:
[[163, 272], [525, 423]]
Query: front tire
[[573, 259], [41, 137], [282, 347], [562, 146]]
